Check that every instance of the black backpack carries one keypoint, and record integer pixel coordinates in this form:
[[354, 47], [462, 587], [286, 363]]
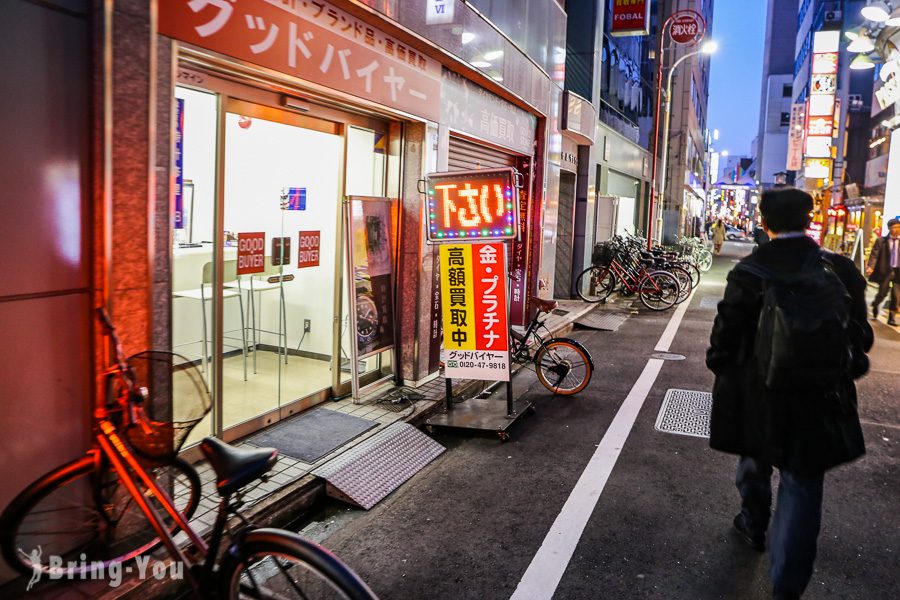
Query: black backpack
[[803, 334]]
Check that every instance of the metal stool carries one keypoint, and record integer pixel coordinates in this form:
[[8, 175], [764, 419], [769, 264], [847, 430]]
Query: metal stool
[[229, 277]]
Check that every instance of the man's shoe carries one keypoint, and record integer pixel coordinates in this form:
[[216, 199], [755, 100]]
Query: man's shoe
[[757, 541], [874, 312], [891, 321]]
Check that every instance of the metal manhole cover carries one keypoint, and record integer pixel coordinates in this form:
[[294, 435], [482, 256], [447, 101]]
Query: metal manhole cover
[[685, 412], [710, 302], [667, 356]]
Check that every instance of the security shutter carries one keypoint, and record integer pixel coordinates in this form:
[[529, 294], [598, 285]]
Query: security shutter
[[468, 156]]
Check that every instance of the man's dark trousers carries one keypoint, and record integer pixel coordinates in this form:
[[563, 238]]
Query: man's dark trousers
[[884, 286], [795, 528]]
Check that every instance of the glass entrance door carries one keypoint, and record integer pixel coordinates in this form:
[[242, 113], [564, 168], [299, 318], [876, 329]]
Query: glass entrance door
[[260, 188], [281, 199]]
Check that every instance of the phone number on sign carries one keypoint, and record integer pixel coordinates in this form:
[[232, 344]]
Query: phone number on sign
[[465, 364]]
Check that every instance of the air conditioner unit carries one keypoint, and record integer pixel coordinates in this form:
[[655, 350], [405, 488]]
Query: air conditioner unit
[[833, 16]]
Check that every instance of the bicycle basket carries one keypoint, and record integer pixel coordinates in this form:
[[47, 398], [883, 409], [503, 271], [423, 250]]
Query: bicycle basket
[[603, 253], [175, 400]]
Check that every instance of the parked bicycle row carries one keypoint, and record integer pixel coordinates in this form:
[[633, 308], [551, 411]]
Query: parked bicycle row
[[661, 278]]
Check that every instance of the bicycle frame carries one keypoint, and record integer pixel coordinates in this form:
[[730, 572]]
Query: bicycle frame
[[630, 278], [125, 463]]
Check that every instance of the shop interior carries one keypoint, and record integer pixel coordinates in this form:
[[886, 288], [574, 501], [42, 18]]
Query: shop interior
[[283, 175]]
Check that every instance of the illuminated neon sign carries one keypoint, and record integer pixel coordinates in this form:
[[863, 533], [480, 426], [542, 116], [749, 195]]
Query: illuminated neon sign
[[477, 205]]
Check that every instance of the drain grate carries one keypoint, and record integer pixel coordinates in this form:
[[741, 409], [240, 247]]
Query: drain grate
[[560, 312], [377, 466], [710, 302], [601, 319], [685, 412]]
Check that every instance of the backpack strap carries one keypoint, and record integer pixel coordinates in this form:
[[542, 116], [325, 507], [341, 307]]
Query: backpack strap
[[754, 269]]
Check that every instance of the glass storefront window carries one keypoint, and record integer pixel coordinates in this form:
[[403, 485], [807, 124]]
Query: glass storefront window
[[192, 235]]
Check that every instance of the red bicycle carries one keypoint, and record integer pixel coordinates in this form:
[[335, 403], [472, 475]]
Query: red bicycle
[[658, 290]]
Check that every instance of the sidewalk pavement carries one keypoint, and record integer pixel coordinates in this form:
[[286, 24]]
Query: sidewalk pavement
[[291, 489]]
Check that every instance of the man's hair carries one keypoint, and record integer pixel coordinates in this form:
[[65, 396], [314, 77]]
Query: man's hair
[[786, 209]]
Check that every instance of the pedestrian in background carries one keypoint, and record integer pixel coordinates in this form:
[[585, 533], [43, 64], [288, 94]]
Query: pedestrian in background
[[790, 337], [883, 268], [719, 232], [760, 236]]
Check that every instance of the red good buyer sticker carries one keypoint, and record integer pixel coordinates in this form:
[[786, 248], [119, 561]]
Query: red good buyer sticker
[[251, 256]]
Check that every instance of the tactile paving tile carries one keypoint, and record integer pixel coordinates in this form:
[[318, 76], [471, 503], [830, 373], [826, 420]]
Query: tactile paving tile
[[710, 302], [601, 319], [685, 412], [376, 467]]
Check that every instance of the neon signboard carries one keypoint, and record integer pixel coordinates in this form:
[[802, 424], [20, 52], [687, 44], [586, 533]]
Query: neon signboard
[[472, 205]]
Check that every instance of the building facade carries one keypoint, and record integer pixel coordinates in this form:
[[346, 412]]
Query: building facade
[[777, 91], [836, 101], [215, 168], [683, 207]]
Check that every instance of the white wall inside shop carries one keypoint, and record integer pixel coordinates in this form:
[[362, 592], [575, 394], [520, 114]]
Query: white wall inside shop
[[260, 161]]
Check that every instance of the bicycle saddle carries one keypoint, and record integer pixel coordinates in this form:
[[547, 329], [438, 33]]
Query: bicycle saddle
[[544, 305], [236, 467], [647, 262]]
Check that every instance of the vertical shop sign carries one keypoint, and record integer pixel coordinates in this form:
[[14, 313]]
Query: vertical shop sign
[[251, 255], [518, 313], [822, 107], [371, 227], [796, 136], [314, 40], [281, 251], [630, 17], [434, 343], [473, 298], [179, 163], [308, 249]]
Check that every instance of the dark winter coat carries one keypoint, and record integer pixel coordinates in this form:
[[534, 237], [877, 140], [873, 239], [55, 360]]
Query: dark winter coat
[[880, 260], [806, 433]]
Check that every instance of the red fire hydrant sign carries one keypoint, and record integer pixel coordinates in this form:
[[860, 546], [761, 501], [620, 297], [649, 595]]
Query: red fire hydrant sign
[[251, 256], [310, 242]]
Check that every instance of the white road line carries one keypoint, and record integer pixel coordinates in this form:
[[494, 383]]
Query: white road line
[[665, 341], [547, 567]]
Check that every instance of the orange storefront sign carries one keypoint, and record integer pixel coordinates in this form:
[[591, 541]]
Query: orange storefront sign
[[312, 40]]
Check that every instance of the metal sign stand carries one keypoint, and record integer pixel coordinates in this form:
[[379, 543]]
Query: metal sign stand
[[481, 414], [477, 414]]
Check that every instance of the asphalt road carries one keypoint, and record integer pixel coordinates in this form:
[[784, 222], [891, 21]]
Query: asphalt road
[[470, 524]]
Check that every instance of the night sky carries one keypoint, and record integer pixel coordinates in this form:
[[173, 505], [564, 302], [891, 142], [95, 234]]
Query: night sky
[[736, 73]]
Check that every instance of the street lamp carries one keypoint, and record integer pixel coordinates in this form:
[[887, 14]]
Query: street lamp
[[708, 48]]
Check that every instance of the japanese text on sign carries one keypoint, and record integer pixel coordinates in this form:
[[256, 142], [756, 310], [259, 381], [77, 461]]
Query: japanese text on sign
[[472, 204], [630, 17], [476, 327], [313, 40]]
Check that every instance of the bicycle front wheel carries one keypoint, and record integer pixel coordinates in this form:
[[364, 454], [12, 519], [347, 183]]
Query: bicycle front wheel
[[82, 513], [658, 290], [685, 284], [272, 563], [595, 283], [705, 260], [564, 366]]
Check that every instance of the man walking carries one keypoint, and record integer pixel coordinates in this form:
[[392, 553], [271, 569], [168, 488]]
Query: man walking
[[784, 395], [884, 269]]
